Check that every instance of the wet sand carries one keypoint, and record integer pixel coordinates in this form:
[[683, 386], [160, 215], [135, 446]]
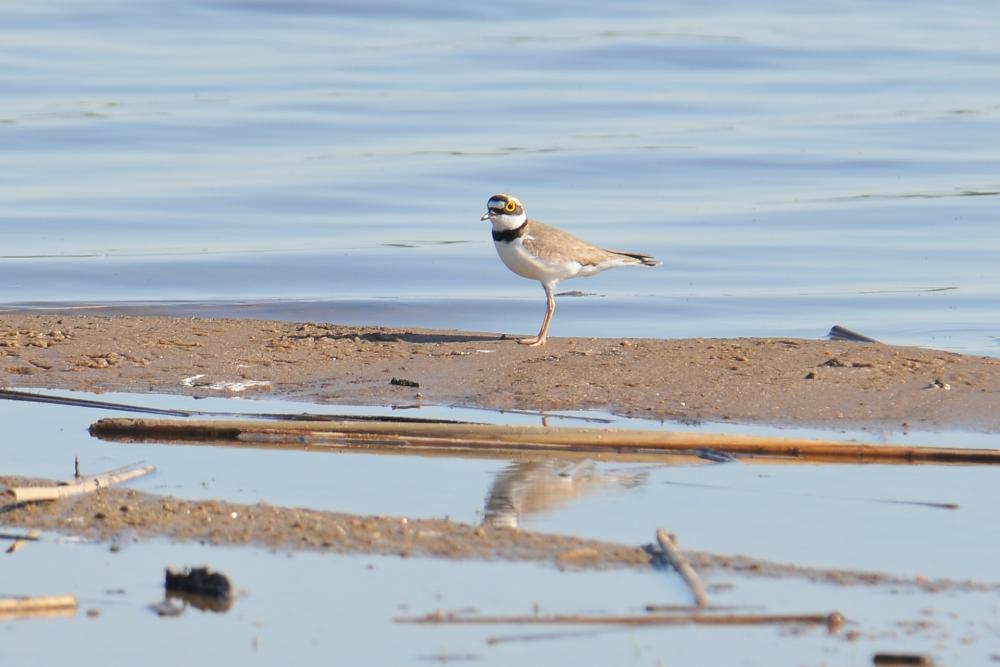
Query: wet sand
[[770, 381], [776, 381], [120, 513]]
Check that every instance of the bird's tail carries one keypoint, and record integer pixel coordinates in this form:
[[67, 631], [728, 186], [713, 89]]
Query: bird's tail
[[645, 260]]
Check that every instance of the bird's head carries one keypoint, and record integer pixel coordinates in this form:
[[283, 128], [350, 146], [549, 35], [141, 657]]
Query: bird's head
[[504, 211]]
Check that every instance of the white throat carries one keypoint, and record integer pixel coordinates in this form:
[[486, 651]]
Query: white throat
[[504, 222]]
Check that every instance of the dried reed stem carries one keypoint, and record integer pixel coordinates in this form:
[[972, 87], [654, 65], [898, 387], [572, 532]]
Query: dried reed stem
[[24, 494], [682, 566], [493, 437]]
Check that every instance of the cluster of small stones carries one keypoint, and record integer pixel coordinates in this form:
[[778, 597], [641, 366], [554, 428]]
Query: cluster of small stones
[[110, 360], [26, 338], [11, 342]]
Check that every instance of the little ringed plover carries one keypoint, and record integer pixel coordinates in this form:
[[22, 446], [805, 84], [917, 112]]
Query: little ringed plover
[[539, 252]]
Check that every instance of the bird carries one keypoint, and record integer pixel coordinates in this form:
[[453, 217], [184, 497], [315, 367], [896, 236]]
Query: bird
[[539, 252]]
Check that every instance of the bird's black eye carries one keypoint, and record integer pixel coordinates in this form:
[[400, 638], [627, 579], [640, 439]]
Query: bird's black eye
[[510, 206]]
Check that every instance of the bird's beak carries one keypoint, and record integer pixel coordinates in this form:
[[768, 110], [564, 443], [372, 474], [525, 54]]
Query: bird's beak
[[486, 216]]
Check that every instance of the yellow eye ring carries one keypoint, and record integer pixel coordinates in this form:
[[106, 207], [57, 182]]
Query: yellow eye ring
[[510, 206]]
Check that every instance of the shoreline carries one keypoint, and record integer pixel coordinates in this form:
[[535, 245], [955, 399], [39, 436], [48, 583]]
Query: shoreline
[[781, 382]]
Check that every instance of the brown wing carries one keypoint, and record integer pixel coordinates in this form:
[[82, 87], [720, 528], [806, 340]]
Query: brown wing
[[556, 246]]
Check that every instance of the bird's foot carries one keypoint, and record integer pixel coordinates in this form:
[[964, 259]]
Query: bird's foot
[[534, 341]]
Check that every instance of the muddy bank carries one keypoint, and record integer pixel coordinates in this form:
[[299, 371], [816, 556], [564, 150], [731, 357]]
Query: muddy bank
[[118, 513], [782, 381]]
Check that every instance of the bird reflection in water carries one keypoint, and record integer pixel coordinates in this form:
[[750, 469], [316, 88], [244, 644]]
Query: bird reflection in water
[[531, 487]]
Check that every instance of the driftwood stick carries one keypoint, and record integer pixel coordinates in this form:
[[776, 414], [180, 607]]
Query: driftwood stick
[[23, 494], [434, 444], [500, 437], [49, 605], [832, 620], [19, 541], [682, 566]]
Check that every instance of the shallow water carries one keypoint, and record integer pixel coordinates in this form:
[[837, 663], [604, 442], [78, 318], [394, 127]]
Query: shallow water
[[304, 607], [795, 167], [739, 507]]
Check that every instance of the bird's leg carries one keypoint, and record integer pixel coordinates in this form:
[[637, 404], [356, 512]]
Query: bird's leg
[[550, 307]]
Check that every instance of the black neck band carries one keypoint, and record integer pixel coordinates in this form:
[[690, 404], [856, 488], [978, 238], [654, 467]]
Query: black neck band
[[509, 235]]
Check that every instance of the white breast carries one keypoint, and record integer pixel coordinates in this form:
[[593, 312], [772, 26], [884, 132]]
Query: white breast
[[519, 260]]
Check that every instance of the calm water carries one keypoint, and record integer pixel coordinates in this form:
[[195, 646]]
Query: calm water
[[873, 516], [309, 608], [794, 167]]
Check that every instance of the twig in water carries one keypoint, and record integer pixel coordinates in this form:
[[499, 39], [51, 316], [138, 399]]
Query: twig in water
[[682, 566], [674, 608], [25, 537], [860, 499], [12, 395], [900, 659], [20, 541], [24, 494], [49, 605], [833, 621], [36, 536], [535, 413], [414, 436], [543, 636]]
